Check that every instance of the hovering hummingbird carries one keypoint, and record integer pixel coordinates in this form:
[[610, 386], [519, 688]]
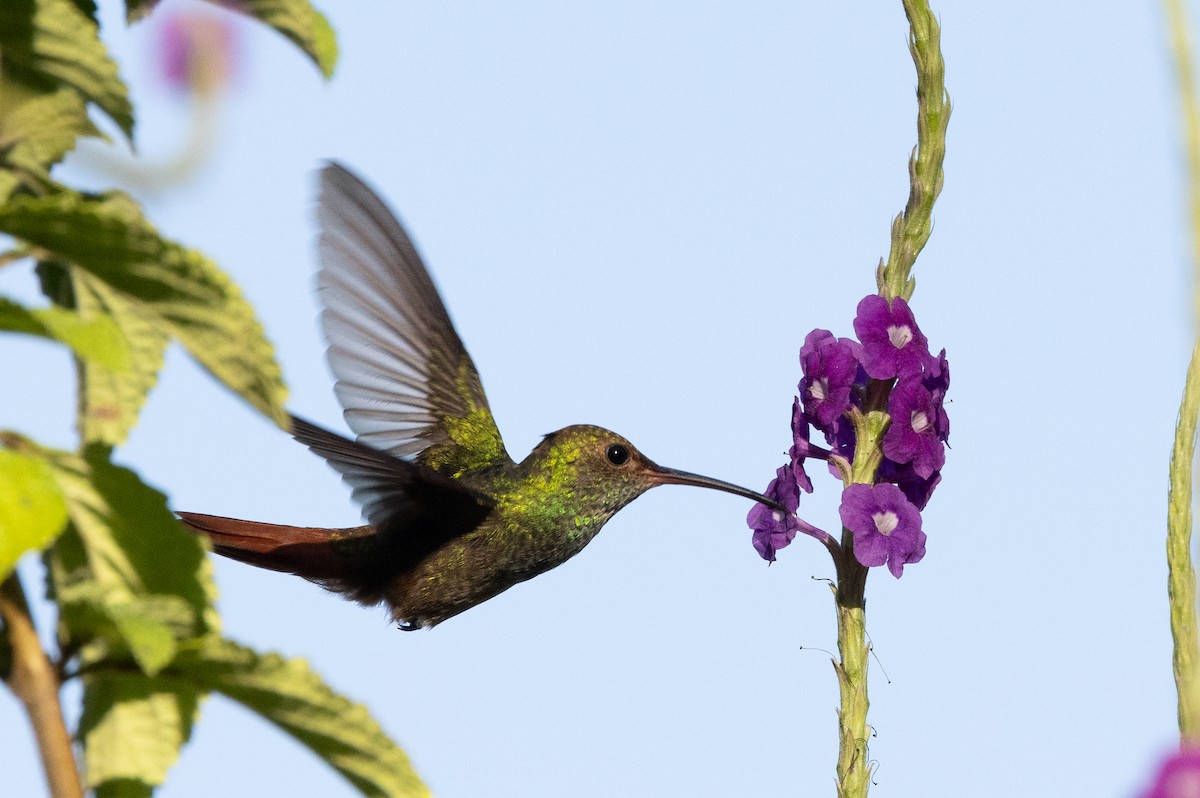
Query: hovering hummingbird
[[452, 520]]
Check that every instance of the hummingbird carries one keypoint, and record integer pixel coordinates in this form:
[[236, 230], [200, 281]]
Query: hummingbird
[[452, 520]]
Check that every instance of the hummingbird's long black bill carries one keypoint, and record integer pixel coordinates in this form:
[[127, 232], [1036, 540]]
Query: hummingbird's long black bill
[[673, 476]]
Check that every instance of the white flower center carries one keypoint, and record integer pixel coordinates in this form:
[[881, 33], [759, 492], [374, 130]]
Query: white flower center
[[885, 522], [819, 389], [900, 336], [920, 422]]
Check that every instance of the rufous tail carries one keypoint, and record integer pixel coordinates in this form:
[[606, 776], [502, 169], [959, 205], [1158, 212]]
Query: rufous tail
[[305, 551]]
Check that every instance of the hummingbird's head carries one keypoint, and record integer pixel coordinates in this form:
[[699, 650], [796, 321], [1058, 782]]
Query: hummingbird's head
[[597, 469], [603, 472]]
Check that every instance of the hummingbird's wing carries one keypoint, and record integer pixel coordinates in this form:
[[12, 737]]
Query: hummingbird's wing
[[412, 510], [406, 383]]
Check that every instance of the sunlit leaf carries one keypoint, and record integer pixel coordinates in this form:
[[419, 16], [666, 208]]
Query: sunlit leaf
[[133, 727], [38, 128], [306, 27], [183, 292], [52, 43], [32, 509], [124, 539], [109, 400], [96, 339]]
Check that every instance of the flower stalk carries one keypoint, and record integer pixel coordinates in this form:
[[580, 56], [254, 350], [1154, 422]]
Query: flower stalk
[[1181, 576], [911, 229], [854, 765], [878, 400]]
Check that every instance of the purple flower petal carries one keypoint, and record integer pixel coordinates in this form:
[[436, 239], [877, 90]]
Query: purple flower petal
[[197, 51], [830, 367], [774, 530], [916, 489], [913, 435], [1178, 776], [801, 448], [885, 525], [892, 344], [937, 380]]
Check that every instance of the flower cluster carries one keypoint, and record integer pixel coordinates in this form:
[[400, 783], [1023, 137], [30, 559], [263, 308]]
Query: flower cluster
[[889, 368]]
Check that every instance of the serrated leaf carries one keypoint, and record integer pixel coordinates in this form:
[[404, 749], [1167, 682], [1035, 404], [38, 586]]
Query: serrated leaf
[[32, 508], [147, 626], [133, 727], [302, 24], [151, 642], [38, 128], [125, 540], [136, 10], [288, 693], [180, 290], [109, 400], [86, 6], [96, 339], [54, 43]]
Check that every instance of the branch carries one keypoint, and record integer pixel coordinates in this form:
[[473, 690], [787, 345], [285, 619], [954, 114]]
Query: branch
[[35, 683]]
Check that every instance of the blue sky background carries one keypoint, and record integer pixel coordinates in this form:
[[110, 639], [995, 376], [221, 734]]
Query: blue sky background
[[635, 213]]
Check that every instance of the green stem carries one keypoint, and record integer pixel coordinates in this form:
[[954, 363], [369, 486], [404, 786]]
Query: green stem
[[911, 229], [1181, 578], [33, 680], [854, 766]]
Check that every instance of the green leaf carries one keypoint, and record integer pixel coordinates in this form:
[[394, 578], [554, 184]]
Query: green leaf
[[32, 509], [38, 128], [125, 788], [110, 399], [53, 43], [134, 541], [288, 693], [95, 339], [132, 729], [136, 10], [302, 24], [180, 290], [145, 628], [8, 184]]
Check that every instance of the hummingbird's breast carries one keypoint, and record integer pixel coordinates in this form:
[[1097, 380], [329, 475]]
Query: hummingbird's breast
[[535, 525]]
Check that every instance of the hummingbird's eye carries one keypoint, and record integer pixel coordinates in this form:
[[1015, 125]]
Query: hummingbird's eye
[[617, 454]]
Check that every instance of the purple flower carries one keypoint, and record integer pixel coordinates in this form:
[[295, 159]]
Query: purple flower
[[197, 52], [885, 525], [830, 367], [892, 344], [913, 436], [937, 380], [916, 489], [801, 448], [937, 373], [1178, 776], [774, 530]]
